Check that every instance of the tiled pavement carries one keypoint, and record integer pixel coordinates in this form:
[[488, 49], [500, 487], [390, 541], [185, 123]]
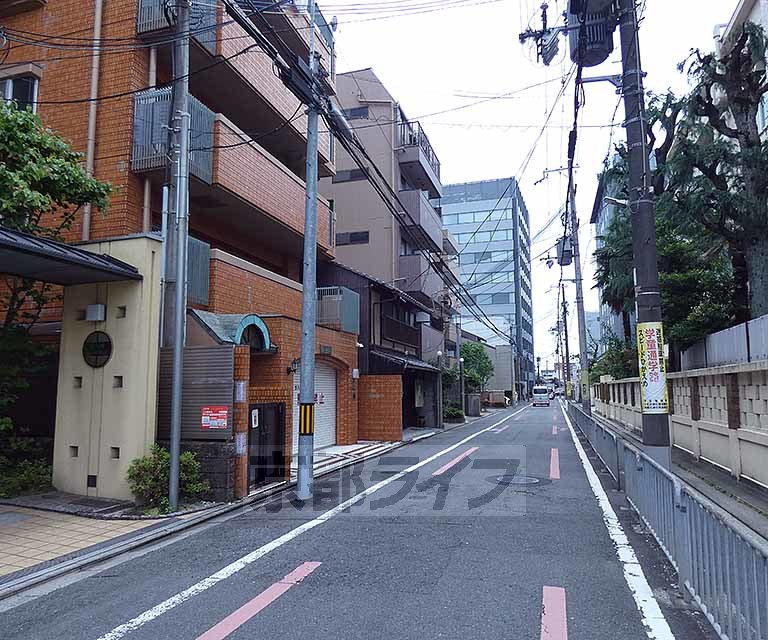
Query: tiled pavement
[[29, 536]]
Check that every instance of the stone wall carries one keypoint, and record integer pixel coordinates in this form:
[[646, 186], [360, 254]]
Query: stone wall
[[217, 465], [719, 414]]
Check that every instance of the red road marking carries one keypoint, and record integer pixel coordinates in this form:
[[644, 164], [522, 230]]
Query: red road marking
[[554, 464], [237, 619], [455, 461], [554, 623]]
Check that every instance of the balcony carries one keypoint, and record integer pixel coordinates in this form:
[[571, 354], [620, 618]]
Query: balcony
[[152, 109], [428, 226], [12, 7], [338, 308], [419, 278], [396, 331], [241, 191], [450, 244], [417, 159], [238, 82]]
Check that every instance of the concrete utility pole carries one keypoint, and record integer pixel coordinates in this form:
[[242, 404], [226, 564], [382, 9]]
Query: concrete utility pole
[[175, 299], [647, 295], [512, 360], [309, 292], [565, 336], [583, 357], [461, 362]]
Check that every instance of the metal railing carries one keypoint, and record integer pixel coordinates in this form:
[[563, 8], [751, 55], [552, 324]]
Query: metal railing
[[202, 20], [150, 133], [721, 562], [338, 308], [411, 134]]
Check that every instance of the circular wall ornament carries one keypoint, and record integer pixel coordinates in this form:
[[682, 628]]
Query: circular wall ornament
[[97, 349]]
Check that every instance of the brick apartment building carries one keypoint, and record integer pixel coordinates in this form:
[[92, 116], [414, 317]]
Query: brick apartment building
[[372, 241], [246, 225]]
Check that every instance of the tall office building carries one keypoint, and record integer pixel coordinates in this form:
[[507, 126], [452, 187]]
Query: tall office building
[[490, 221]]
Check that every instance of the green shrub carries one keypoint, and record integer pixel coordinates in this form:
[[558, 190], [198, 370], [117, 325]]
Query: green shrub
[[453, 413], [148, 478], [26, 476]]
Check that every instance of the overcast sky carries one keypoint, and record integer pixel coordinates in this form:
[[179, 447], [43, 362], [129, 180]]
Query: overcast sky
[[444, 64]]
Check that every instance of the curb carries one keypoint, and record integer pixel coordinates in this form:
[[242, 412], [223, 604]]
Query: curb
[[87, 558]]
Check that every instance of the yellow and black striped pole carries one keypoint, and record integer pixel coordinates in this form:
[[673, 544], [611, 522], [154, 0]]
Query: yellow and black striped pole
[[306, 419]]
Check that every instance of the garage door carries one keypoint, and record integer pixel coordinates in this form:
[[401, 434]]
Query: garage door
[[325, 407]]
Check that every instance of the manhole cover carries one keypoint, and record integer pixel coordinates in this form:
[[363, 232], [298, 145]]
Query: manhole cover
[[517, 480]]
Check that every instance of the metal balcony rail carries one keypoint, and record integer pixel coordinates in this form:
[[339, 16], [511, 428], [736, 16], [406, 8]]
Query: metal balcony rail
[[152, 16], [151, 118], [721, 562], [338, 308], [398, 331], [411, 134]]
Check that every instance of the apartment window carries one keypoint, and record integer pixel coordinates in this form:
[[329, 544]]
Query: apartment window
[[466, 218], [501, 256], [354, 237], [331, 221], [500, 298], [482, 236], [349, 175], [357, 113], [22, 90], [484, 298], [467, 258], [407, 249], [484, 257], [450, 219]]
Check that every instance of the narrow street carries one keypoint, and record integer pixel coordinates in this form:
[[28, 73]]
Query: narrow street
[[424, 542]]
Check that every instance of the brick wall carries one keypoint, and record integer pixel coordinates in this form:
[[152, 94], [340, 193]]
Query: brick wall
[[261, 180], [380, 406]]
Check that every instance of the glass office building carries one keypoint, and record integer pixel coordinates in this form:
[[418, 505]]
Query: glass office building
[[490, 222]]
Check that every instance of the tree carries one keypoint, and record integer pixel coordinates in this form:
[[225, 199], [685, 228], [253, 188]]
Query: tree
[[718, 168], [43, 186], [478, 367]]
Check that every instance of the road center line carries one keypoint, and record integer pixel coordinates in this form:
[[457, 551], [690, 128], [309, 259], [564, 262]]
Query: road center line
[[554, 429], [455, 461], [554, 464], [554, 620], [653, 619], [242, 615], [240, 564]]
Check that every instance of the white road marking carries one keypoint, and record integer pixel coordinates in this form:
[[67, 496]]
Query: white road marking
[[240, 564], [656, 626]]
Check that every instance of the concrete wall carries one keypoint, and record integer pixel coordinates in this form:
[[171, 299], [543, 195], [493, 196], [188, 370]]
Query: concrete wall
[[94, 414], [719, 414]]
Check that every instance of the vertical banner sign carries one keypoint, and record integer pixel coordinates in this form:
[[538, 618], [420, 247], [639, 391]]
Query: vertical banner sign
[[653, 371]]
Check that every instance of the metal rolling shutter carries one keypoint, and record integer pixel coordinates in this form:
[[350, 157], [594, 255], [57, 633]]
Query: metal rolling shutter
[[325, 408]]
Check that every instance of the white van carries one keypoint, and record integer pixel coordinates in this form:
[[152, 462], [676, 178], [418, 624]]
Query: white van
[[540, 396]]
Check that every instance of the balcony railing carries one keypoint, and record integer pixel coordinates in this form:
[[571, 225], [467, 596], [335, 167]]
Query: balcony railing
[[203, 20], [338, 308], [12, 7], [397, 331], [410, 134], [151, 119]]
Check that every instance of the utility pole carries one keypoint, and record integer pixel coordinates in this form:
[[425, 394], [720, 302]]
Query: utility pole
[[461, 362], [653, 375], [583, 358], [512, 360], [309, 291], [565, 335], [175, 297]]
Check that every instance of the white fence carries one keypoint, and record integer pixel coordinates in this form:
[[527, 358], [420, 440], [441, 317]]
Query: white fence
[[746, 342]]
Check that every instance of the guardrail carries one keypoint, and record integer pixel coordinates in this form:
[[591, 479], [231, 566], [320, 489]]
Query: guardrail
[[722, 563]]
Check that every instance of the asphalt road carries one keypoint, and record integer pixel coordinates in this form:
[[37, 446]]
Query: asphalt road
[[430, 541]]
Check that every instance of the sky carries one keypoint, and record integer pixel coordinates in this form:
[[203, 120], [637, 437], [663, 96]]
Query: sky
[[458, 67]]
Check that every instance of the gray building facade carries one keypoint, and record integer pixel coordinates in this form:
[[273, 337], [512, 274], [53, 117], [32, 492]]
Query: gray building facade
[[490, 221]]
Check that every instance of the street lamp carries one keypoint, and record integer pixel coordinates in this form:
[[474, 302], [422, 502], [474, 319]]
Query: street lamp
[[461, 384]]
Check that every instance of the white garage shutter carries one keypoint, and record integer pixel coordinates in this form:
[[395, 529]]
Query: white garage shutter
[[325, 407]]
